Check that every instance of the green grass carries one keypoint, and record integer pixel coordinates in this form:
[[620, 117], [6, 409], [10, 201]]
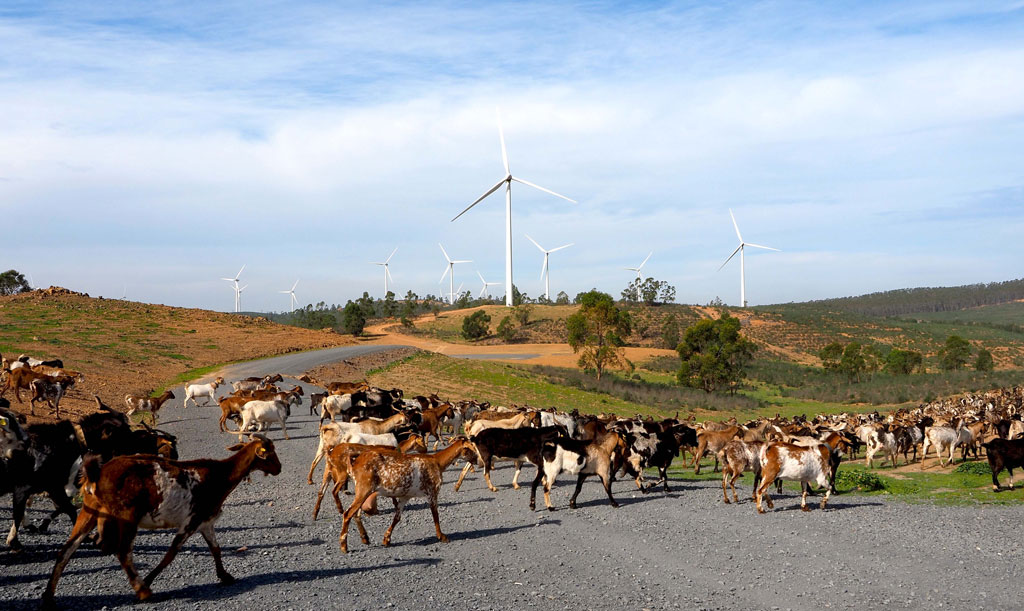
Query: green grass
[[956, 488]]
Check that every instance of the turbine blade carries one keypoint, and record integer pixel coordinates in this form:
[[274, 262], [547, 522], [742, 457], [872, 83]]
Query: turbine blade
[[447, 268], [240, 272], [228, 279], [285, 292], [466, 261], [764, 247], [735, 226], [481, 277], [560, 248], [644, 263], [543, 266], [295, 285], [388, 272], [391, 255], [501, 134], [449, 259], [535, 243], [243, 288], [481, 198], [530, 184], [731, 256]]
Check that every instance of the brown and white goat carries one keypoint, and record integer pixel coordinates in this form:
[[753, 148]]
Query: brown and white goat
[[142, 403], [132, 492], [796, 463], [51, 390], [739, 456], [401, 477]]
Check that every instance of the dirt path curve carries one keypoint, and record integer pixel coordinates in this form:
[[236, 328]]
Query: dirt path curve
[[558, 355]]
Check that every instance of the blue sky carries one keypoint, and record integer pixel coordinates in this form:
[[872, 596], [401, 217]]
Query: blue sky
[[162, 145]]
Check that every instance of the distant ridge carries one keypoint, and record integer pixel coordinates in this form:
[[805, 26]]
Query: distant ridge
[[900, 302]]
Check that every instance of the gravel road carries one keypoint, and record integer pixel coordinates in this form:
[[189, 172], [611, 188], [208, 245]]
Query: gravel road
[[685, 549]]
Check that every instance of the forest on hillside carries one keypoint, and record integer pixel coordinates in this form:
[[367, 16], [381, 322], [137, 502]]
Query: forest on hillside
[[901, 302]]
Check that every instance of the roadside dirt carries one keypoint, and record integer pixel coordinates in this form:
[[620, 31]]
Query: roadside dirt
[[126, 347], [355, 368]]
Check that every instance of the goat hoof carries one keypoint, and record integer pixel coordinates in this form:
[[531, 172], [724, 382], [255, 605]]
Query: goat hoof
[[804, 508], [727, 501], [533, 507], [760, 510], [226, 579], [443, 539], [144, 594], [615, 505], [572, 505]]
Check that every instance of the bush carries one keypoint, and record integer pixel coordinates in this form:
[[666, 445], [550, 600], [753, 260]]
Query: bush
[[984, 361], [974, 468], [865, 481], [353, 319], [522, 313], [476, 325], [507, 329]]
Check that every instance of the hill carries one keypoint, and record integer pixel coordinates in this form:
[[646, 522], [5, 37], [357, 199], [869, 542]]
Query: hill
[[127, 347]]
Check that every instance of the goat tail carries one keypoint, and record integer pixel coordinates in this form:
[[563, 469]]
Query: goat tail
[[89, 474]]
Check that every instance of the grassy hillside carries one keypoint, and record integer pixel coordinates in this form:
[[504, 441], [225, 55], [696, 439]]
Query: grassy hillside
[[123, 346]]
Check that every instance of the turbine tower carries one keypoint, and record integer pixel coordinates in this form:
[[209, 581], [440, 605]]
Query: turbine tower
[[237, 291], [387, 273], [545, 271], [238, 298], [740, 249], [449, 271], [507, 181], [483, 290], [291, 292], [639, 276]]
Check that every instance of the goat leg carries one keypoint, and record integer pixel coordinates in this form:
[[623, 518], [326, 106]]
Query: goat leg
[[206, 529], [125, 543], [394, 522], [83, 526], [437, 523], [176, 544]]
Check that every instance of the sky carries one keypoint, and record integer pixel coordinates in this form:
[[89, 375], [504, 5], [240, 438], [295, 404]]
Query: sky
[[156, 147]]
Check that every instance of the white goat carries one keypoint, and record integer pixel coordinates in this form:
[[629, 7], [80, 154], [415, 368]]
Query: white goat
[[263, 413], [880, 440], [193, 391], [943, 438], [555, 418]]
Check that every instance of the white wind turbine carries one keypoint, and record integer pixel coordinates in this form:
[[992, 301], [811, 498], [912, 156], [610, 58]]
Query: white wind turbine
[[483, 290], [740, 249], [387, 273], [238, 298], [545, 271], [291, 292], [238, 292], [507, 181], [639, 276], [449, 271], [124, 295]]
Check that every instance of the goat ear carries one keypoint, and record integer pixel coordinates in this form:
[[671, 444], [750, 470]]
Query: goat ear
[[236, 447]]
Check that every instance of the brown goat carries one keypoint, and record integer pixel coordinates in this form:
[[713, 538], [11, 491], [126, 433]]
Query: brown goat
[[132, 492], [143, 403], [712, 442]]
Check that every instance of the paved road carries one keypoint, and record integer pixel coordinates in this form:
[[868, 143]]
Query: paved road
[[297, 363], [684, 549]]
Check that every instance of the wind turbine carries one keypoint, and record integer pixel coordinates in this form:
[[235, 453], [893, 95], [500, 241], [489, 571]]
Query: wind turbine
[[387, 274], [483, 290], [507, 181], [235, 281], [124, 295], [545, 271], [238, 298], [291, 292], [449, 271], [639, 276], [740, 249]]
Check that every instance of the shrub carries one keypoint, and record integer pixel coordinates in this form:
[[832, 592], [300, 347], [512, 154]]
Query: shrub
[[974, 468], [865, 481], [353, 319], [507, 329], [984, 361], [476, 325]]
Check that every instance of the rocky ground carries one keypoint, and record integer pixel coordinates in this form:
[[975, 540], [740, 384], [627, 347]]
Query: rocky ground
[[683, 549]]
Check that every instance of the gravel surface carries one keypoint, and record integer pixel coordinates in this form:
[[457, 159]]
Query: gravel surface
[[685, 549]]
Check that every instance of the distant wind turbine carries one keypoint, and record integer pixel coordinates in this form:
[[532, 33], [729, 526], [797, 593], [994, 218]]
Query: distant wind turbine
[[740, 249], [124, 295], [483, 290], [639, 276], [507, 181], [449, 271], [238, 297], [238, 302], [545, 271], [291, 292], [387, 273]]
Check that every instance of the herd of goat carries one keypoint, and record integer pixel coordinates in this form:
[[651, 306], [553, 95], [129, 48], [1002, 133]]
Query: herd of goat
[[130, 478]]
